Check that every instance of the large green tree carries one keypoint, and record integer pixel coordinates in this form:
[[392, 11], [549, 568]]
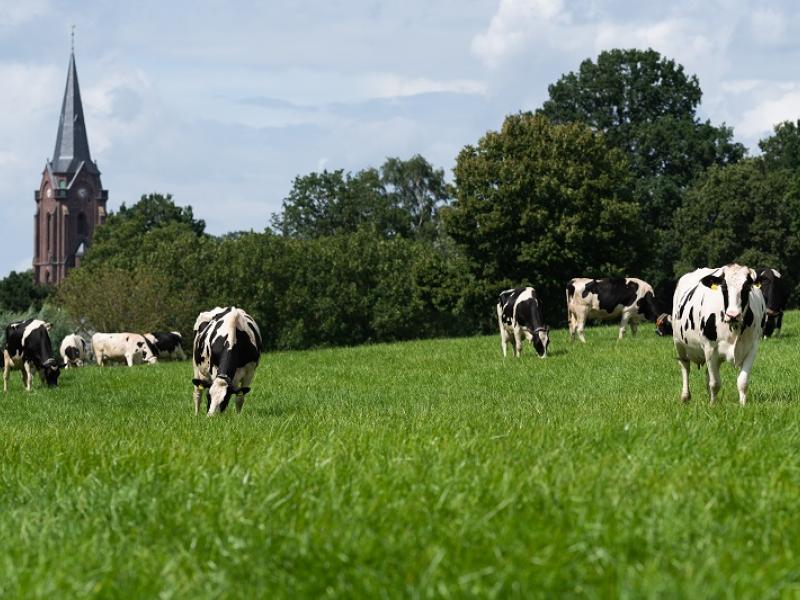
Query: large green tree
[[18, 292], [400, 199], [539, 202], [744, 212], [781, 150], [646, 105]]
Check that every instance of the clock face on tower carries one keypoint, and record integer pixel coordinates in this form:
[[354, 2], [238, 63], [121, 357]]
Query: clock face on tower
[[49, 192], [83, 193]]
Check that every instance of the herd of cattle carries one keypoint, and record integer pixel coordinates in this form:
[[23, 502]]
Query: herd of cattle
[[717, 314], [226, 351]]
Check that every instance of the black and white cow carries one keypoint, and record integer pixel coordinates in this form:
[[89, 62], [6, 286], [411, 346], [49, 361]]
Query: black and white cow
[[28, 348], [73, 350], [775, 295], [629, 298], [168, 344], [519, 312], [717, 315], [226, 350]]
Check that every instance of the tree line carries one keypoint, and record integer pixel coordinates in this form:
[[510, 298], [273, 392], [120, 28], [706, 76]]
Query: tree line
[[615, 174]]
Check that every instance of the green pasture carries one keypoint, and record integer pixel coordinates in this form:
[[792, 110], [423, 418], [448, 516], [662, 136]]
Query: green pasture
[[423, 469]]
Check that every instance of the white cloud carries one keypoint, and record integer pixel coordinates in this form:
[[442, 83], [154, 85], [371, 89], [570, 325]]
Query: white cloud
[[768, 26], [393, 86], [761, 118], [14, 12], [513, 26]]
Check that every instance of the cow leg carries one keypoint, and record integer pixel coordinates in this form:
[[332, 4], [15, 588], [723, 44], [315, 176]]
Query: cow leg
[[27, 372], [714, 383], [634, 327], [744, 374], [778, 323], [239, 403], [571, 321], [685, 394], [517, 342], [580, 323], [129, 359], [622, 325], [504, 340], [6, 371], [197, 395]]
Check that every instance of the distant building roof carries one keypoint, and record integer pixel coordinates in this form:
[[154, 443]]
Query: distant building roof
[[72, 144]]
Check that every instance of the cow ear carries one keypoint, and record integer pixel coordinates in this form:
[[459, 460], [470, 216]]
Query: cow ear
[[201, 383], [776, 273], [712, 281], [753, 275], [48, 326]]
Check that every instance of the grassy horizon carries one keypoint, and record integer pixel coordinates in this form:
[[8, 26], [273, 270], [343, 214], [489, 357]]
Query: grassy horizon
[[429, 468]]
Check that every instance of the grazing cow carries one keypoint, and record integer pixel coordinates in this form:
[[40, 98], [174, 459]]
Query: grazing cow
[[775, 298], [73, 351], [168, 344], [718, 314], [28, 348], [519, 311], [130, 347], [629, 298], [226, 350]]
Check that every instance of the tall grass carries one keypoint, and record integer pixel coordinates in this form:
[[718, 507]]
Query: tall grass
[[420, 469]]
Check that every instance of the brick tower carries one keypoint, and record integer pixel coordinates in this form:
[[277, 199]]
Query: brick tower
[[70, 201]]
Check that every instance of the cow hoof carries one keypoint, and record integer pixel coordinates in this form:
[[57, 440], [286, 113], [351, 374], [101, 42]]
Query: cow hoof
[[686, 398]]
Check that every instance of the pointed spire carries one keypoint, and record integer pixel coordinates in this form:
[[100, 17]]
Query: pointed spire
[[72, 145]]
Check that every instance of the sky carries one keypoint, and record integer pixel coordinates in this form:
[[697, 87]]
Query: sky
[[222, 103]]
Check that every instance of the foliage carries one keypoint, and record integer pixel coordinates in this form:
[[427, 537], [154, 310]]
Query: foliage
[[781, 150], [742, 213], [421, 470], [646, 106], [18, 292], [401, 199], [541, 203]]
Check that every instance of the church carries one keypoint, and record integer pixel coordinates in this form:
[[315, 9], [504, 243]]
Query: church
[[70, 201]]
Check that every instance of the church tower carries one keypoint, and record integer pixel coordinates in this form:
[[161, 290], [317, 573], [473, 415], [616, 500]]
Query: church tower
[[70, 201]]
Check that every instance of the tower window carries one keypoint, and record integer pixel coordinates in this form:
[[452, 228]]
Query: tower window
[[81, 224]]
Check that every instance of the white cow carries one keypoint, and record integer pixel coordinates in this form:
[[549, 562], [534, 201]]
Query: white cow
[[131, 347], [73, 350], [718, 314]]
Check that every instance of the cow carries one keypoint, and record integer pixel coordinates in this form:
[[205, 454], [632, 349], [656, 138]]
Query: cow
[[28, 348], [775, 295], [168, 344], [627, 297], [718, 314], [519, 312], [73, 351], [226, 350], [130, 347]]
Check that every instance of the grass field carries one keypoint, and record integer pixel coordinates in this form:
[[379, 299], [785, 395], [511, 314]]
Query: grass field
[[425, 469]]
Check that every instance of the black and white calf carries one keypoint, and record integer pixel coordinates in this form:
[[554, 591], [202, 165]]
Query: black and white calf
[[168, 344], [718, 315], [73, 350], [226, 350], [629, 299], [28, 348], [776, 297], [519, 312]]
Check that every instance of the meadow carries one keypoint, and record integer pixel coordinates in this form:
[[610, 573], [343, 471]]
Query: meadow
[[421, 469]]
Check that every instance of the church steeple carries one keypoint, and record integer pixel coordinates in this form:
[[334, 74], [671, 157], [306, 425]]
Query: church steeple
[[72, 144], [70, 201]]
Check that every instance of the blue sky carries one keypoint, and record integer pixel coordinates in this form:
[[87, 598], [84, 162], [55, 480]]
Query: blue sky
[[223, 103]]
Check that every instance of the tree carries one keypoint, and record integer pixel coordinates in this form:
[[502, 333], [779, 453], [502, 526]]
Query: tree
[[19, 293], [119, 240], [401, 199], [646, 106], [782, 149], [540, 203], [743, 213]]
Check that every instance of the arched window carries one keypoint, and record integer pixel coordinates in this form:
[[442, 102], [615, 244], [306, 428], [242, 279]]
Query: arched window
[[49, 232], [81, 224]]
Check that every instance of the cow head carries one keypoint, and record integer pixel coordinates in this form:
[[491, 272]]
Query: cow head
[[51, 369], [541, 340], [735, 283], [220, 391], [664, 324]]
